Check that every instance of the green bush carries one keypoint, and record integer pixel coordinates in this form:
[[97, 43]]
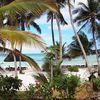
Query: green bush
[[73, 68], [67, 84], [96, 84], [9, 87], [46, 91], [39, 92], [72, 83]]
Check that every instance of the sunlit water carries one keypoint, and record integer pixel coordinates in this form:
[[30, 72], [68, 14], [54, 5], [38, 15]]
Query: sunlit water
[[39, 58]]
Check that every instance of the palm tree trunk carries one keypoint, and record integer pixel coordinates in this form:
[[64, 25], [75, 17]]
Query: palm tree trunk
[[15, 64], [22, 28], [60, 37], [96, 54], [81, 46], [53, 39], [20, 69]]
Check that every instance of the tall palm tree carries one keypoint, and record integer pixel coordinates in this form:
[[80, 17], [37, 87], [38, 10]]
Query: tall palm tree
[[60, 20], [83, 51], [89, 13], [19, 39], [51, 16]]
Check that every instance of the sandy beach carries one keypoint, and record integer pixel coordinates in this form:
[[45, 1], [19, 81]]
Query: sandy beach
[[27, 76]]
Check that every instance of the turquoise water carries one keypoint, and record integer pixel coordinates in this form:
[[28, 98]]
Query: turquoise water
[[80, 61], [39, 58]]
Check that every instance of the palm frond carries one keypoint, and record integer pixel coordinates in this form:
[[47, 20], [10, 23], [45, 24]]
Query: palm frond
[[76, 10], [41, 78], [21, 37], [84, 6], [37, 7], [61, 19], [36, 26], [93, 5], [82, 21], [49, 16], [74, 49]]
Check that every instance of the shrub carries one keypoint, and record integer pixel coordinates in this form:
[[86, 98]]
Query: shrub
[[67, 84], [46, 91], [96, 84], [73, 69], [43, 92], [9, 87], [72, 83]]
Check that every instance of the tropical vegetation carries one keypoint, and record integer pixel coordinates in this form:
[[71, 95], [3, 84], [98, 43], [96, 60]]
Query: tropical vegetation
[[52, 83]]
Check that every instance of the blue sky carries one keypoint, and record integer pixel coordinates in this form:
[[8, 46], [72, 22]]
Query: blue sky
[[67, 31]]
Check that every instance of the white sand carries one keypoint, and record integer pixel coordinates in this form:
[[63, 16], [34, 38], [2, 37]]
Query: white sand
[[27, 78]]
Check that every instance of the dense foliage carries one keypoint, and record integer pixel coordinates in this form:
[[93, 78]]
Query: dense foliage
[[9, 87], [73, 68]]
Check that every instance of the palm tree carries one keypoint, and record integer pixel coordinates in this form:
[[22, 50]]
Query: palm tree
[[27, 20], [83, 51], [74, 49], [51, 16], [21, 38], [90, 14], [22, 21], [60, 20], [50, 66]]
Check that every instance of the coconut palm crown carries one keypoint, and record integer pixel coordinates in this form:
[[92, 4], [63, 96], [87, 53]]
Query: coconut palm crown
[[89, 13], [74, 49]]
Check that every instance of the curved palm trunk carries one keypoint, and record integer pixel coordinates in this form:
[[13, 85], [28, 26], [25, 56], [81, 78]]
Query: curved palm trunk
[[81, 46], [15, 63], [60, 38]]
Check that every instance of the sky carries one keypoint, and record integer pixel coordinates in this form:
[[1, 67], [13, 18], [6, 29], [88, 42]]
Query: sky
[[67, 31]]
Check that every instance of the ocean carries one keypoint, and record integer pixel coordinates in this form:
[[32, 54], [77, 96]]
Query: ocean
[[39, 58]]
